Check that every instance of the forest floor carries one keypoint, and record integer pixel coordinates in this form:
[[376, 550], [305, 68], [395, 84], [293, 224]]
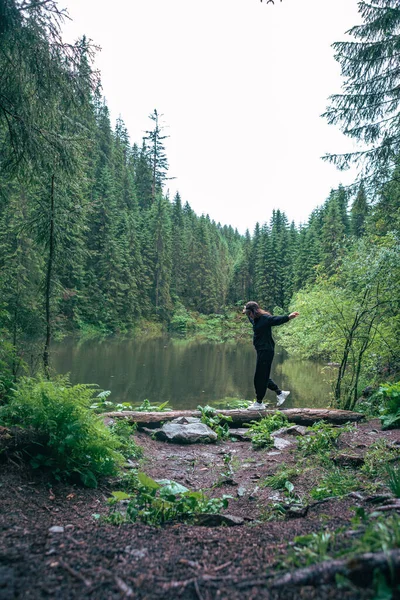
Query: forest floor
[[94, 559]]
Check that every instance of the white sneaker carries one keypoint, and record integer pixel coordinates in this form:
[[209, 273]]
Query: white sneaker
[[257, 406], [281, 398]]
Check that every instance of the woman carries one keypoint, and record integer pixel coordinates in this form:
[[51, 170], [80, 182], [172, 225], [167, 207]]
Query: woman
[[262, 322]]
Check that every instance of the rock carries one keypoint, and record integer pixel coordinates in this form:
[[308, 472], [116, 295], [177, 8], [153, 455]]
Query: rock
[[297, 430], [228, 481], [280, 443], [209, 520], [293, 430], [254, 494], [56, 529], [137, 553], [296, 512], [186, 420], [241, 491], [190, 433], [242, 434], [348, 460], [150, 431]]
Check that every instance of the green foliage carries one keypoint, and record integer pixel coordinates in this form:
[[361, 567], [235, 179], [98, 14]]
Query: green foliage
[[394, 480], [323, 438], [377, 457], [336, 483], [156, 502], [146, 406], [284, 474], [123, 431], [310, 549], [181, 321], [260, 431], [389, 397], [232, 403], [73, 443], [216, 422]]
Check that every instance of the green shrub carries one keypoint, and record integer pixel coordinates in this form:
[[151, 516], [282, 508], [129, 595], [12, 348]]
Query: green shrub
[[389, 396], [261, 430], [155, 502], [216, 422], [181, 321], [323, 438], [74, 442]]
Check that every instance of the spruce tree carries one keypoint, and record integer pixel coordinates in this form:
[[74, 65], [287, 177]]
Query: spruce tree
[[368, 110], [359, 212]]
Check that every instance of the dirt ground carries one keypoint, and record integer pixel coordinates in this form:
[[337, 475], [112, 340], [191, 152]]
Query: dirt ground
[[92, 559]]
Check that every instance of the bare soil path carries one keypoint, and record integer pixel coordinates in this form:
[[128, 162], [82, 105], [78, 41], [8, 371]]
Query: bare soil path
[[92, 559]]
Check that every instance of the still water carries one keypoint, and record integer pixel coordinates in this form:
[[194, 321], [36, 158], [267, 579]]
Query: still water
[[185, 373]]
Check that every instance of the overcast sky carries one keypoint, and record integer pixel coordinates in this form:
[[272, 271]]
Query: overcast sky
[[241, 85]]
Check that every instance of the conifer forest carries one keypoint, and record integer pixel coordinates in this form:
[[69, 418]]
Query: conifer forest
[[89, 237], [182, 486]]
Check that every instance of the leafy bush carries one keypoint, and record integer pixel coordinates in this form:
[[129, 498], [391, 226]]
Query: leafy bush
[[389, 396], [181, 321], [155, 502], [74, 442], [123, 430], [261, 430], [324, 437], [216, 422]]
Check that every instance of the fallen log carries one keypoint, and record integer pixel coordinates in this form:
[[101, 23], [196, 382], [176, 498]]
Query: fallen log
[[359, 569], [300, 416]]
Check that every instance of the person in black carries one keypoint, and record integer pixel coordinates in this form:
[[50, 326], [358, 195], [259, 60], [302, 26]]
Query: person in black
[[264, 344]]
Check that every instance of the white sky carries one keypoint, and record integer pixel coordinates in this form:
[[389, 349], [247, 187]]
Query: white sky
[[241, 85]]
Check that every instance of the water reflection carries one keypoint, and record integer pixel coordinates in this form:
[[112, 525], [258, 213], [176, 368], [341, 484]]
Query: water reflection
[[184, 373]]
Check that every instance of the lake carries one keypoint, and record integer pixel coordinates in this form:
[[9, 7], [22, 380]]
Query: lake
[[186, 373]]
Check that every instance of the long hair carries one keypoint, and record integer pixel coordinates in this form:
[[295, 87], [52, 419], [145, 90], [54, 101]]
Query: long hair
[[254, 308]]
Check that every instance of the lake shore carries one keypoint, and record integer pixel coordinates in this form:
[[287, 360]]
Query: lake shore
[[89, 557]]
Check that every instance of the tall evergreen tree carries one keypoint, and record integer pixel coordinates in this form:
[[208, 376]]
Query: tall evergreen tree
[[369, 109], [359, 212]]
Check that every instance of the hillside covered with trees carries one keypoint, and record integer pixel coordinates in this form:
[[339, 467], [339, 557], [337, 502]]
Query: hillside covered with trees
[[90, 239]]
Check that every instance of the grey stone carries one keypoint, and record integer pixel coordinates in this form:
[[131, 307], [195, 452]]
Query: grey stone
[[137, 553], [209, 520], [56, 529], [242, 434], [186, 420], [280, 443], [190, 433], [241, 491], [292, 430]]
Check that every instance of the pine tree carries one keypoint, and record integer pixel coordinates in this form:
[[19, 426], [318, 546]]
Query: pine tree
[[369, 109], [156, 154], [359, 212]]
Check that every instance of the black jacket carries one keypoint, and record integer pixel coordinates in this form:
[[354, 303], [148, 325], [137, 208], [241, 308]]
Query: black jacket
[[262, 338]]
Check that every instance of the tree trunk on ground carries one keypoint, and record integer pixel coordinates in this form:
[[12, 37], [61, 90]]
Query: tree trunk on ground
[[300, 416], [359, 570]]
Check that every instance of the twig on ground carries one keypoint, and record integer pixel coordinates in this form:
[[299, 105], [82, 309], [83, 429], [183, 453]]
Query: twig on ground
[[74, 573]]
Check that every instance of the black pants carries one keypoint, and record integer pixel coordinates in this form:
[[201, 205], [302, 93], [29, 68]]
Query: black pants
[[261, 376]]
